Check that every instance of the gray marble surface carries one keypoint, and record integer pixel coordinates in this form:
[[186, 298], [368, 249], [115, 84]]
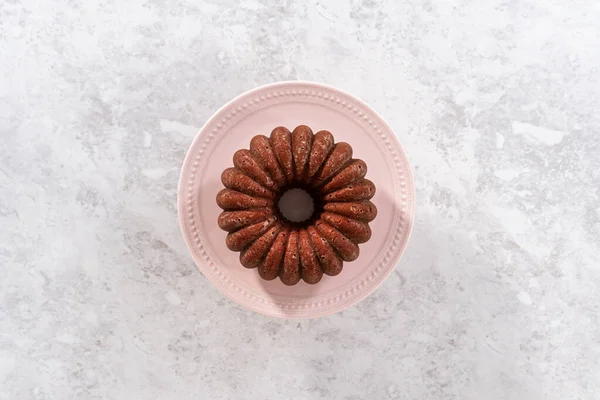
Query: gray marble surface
[[497, 103]]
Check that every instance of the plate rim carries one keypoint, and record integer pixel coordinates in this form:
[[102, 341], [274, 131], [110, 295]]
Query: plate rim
[[339, 305]]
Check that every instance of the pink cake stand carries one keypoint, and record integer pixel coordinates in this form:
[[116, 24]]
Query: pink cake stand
[[258, 112]]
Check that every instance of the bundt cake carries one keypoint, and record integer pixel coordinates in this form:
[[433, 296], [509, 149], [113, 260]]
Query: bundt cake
[[276, 244]]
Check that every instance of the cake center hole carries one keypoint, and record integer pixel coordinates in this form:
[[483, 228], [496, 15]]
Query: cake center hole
[[296, 205]]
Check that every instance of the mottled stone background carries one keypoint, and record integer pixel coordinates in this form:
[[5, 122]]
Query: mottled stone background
[[497, 103]]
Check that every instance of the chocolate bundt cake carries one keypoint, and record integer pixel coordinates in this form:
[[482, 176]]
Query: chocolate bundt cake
[[282, 246]]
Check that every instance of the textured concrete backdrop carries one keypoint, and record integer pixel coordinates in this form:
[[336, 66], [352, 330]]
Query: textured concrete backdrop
[[497, 103]]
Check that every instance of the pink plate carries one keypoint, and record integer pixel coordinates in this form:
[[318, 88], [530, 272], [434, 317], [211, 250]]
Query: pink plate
[[258, 112]]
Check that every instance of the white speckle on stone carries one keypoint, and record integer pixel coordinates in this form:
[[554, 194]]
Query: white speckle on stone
[[507, 174], [445, 317], [533, 283], [524, 298], [177, 127], [91, 317], [499, 140], [422, 337], [147, 139], [66, 338], [139, 343], [173, 298], [392, 393], [8, 365], [203, 323], [536, 134], [574, 60], [154, 173]]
